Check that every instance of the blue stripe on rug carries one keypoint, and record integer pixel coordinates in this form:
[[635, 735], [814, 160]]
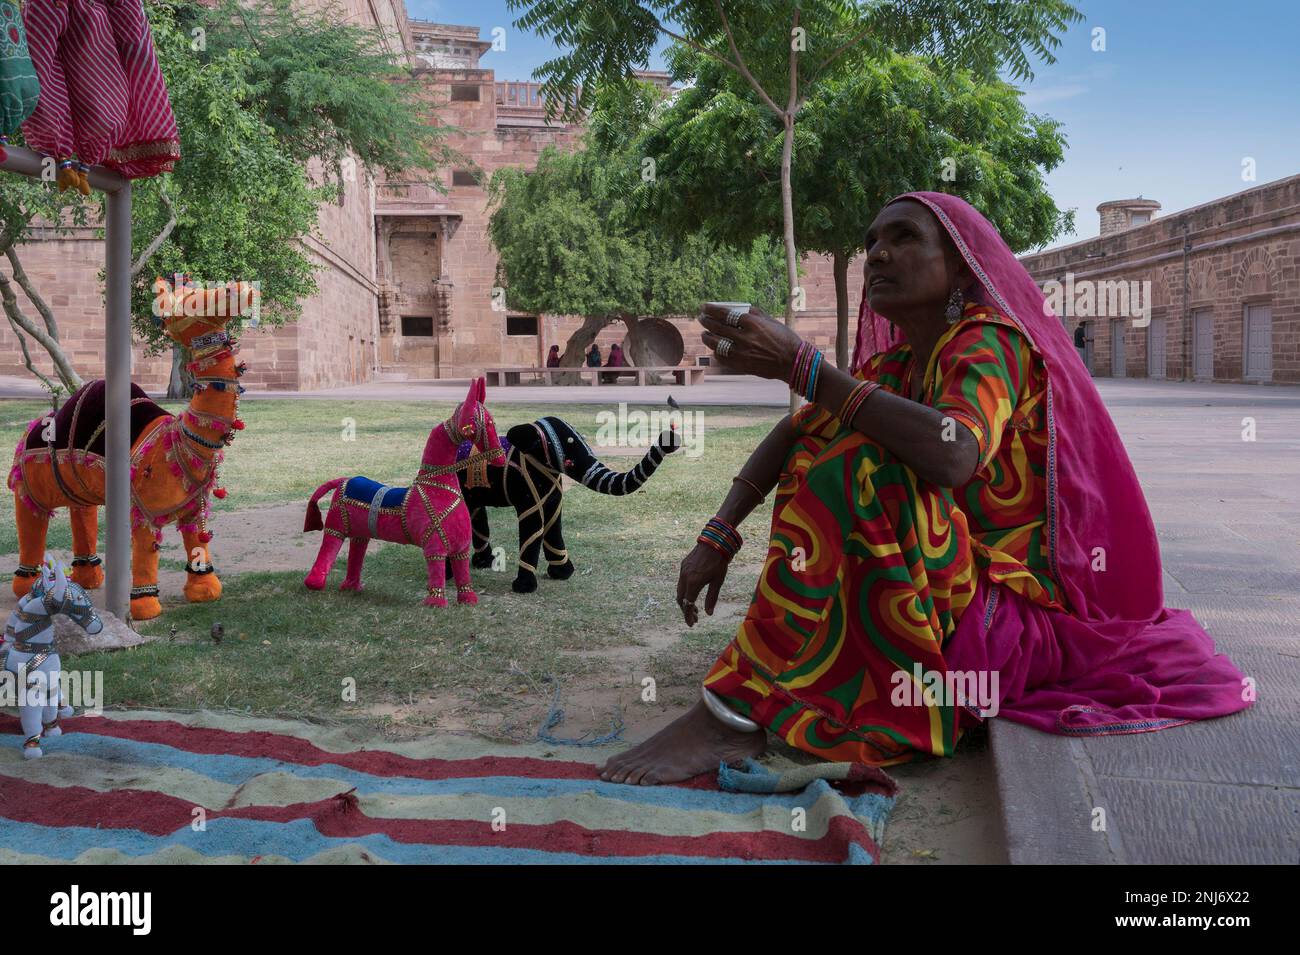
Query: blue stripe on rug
[[236, 770], [299, 840]]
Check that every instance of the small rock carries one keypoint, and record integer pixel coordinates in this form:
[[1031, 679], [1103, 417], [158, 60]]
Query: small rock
[[116, 635]]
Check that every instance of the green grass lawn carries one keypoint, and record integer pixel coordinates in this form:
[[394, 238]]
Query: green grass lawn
[[289, 651]]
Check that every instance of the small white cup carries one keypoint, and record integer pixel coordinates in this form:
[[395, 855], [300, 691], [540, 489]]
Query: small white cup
[[729, 305]]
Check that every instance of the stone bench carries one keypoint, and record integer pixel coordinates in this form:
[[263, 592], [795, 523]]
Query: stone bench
[[682, 375]]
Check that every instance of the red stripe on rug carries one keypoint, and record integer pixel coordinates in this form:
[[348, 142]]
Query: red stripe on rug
[[159, 814], [292, 749]]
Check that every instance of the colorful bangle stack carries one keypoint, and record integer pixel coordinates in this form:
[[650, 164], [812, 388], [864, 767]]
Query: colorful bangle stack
[[807, 366], [721, 536], [849, 410]]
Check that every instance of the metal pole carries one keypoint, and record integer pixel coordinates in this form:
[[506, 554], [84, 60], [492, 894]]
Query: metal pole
[[117, 364], [117, 400]]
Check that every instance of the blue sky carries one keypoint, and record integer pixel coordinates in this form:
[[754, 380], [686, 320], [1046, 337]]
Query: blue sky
[[1183, 93]]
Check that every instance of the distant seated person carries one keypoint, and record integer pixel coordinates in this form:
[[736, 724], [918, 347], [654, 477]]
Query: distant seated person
[[593, 357], [616, 360], [553, 357]]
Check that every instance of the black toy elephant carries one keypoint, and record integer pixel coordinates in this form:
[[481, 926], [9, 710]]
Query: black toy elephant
[[536, 455]]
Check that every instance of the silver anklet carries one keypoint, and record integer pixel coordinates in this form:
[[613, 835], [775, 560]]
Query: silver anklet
[[726, 715]]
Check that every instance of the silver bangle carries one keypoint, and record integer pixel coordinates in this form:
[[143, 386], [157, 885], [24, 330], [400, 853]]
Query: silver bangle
[[726, 715]]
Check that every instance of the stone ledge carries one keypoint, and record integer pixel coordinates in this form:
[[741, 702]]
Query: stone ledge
[[1044, 781]]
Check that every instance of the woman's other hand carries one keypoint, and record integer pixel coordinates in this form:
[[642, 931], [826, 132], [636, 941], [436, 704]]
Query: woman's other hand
[[702, 567], [760, 345]]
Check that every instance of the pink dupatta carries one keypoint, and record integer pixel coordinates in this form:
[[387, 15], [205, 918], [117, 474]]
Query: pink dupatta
[[1120, 662]]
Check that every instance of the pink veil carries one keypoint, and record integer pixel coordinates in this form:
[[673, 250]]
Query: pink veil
[[1125, 663]]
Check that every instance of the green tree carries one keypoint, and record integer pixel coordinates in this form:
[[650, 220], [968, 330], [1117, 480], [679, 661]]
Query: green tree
[[784, 49], [569, 245], [236, 204], [258, 93], [330, 90], [892, 124]]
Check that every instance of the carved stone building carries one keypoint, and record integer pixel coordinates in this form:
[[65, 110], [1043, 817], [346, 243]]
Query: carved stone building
[[436, 269]]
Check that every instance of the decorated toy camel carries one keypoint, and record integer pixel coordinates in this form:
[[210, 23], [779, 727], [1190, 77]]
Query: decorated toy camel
[[174, 462], [431, 513], [30, 652], [537, 454]]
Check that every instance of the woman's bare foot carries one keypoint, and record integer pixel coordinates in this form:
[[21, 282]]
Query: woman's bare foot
[[692, 744]]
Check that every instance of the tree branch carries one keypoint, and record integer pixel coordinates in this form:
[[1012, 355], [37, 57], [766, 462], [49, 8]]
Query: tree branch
[[713, 54], [27, 356], [67, 374], [840, 51], [792, 106], [160, 238], [740, 61], [20, 276]]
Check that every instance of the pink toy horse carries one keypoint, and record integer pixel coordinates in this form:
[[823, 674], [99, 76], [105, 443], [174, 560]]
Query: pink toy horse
[[430, 513]]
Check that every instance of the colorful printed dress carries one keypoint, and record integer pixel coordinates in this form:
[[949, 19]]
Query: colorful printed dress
[[869, 568]]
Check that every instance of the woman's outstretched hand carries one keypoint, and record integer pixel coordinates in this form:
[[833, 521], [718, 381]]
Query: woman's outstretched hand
[[702, 567], [761, 345]]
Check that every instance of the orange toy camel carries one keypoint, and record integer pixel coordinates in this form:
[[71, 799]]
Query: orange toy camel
[[174, 461]]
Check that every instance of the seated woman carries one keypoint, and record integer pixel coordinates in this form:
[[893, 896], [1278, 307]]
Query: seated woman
[[615, 360], [958, 532]]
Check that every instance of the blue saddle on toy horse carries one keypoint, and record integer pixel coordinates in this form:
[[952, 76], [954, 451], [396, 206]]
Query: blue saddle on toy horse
[[376, 496]]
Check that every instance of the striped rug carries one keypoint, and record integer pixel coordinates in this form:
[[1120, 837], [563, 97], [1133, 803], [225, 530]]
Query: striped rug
[[127, 787]]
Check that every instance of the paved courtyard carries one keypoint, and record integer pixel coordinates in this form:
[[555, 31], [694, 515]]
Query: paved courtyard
[[1228, 514]]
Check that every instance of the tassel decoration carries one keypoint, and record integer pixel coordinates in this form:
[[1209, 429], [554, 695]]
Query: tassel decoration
[[476, 474], [219, 493]]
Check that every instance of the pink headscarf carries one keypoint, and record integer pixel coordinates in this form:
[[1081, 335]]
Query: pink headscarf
[[1122, 662]]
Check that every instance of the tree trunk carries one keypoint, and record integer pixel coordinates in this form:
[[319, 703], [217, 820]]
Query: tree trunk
[[177, 385], [575, 349], [840, 263], [787, 216]]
